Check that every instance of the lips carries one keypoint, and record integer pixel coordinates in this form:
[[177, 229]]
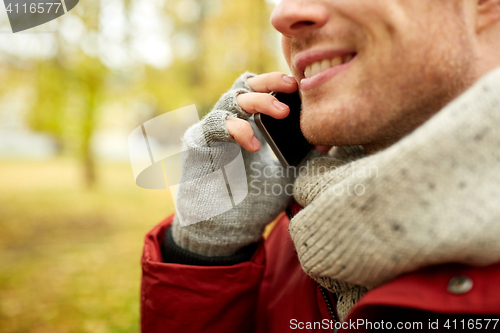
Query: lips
[[317, 66], [322, 65]]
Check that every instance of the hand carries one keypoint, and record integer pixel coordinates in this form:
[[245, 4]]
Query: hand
[[203, 224], [260, 101]]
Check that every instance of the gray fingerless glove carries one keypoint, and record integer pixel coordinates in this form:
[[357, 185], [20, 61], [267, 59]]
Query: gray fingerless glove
[[209, 221]]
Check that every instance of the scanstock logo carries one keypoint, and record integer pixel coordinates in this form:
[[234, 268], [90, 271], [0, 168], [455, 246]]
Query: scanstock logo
[[157, 156], [26, 14]]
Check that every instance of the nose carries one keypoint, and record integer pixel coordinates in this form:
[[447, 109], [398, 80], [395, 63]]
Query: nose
[[293, 17]]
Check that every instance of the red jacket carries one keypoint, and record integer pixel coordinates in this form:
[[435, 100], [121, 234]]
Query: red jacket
[[271, 293]]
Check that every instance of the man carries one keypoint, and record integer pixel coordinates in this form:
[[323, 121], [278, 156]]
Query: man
[[407, 88]]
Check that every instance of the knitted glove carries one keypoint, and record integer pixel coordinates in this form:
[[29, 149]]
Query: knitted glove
[[206, 221]]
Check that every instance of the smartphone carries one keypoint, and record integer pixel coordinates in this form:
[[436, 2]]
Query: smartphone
[[284, 135]]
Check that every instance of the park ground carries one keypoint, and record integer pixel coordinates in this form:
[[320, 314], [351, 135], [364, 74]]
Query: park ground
[[70, 255]]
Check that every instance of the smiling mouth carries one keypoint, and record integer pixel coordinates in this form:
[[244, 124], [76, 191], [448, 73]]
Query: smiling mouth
[[324, 64]]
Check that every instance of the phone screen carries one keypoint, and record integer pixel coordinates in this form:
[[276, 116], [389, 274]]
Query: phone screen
[[284, 135]]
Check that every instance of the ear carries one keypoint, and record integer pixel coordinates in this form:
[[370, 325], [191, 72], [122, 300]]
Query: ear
[[488, 13]]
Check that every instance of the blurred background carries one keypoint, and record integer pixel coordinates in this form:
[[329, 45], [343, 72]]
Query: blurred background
[[72, 220]]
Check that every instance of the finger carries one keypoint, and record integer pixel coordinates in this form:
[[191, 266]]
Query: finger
[[263, 103], [275, 81], [242, 132], [323, 149]]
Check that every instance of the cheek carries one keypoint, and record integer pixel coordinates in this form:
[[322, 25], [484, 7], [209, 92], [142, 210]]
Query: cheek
[[378, 19]]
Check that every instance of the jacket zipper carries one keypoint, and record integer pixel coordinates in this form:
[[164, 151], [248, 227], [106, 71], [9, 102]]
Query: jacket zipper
[[329, 305]]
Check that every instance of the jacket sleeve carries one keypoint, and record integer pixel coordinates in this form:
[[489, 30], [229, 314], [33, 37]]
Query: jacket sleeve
[[189, 298]]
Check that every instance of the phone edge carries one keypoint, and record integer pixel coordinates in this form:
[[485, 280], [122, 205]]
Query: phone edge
[[270, 141]]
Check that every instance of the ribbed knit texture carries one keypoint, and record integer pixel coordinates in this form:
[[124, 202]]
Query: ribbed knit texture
[[431, 198]]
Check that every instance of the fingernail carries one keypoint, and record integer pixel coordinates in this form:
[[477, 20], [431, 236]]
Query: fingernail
[[255, 143], [288, 79], [280, 106]]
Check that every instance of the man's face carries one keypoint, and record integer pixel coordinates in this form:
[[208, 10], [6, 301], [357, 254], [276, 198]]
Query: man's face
[[409, 59]]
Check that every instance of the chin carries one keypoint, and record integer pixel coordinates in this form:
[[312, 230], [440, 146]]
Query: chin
[[330, 123], [346, 124]]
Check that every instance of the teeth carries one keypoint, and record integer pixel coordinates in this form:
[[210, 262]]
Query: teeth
[[325, 64], [321, 65], [336, 61], [315, 68], [308, 71]]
